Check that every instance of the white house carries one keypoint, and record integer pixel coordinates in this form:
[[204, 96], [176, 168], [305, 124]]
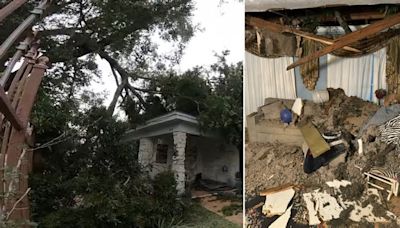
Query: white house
[[175, 142]]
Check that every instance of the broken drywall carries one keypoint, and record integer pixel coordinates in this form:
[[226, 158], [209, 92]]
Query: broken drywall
[[276, 203], [283, 220], [326, 207], [321, 205]]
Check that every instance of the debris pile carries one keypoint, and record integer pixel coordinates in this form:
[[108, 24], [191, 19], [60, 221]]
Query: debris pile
[[343, 187]]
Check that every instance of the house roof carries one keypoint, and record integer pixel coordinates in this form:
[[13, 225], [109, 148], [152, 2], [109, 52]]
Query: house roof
[[263, 5], [166, 124]]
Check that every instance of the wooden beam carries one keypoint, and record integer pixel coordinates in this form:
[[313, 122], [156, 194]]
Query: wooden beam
[[8, 111], [342, 22], [260, 23], [354, 15], [351, 38]]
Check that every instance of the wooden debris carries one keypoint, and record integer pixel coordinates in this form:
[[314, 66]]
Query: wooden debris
[[382, 182], [351, 38], [260, 23], [279, 188], [314, 140]]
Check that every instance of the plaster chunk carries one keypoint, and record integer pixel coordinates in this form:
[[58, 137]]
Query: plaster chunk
[[321, 204], [277, 203]]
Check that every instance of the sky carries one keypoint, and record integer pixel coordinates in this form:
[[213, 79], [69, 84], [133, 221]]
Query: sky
[[222, 28]]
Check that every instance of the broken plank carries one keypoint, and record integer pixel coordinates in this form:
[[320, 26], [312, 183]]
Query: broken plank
[[314, 140], [8, 111], [260, 23], [350, 38], [278, 189]]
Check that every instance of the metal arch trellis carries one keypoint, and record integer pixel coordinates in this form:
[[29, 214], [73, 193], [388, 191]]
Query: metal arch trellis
[[17, 96]]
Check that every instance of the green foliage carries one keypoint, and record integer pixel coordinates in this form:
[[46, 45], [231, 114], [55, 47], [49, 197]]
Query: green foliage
[[16, 224], [185, 92], [88, 177], [224, 106], [229, 197], [232, 209], [198, 216], [73, 32], [216, 100], [93, 180], [166, 208]]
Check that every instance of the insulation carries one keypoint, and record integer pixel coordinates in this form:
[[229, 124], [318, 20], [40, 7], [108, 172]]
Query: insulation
[[393, 66], [265, 43], [310, 70]]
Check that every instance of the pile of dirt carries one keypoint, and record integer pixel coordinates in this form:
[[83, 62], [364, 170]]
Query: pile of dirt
[[274, 164], [342, 113]]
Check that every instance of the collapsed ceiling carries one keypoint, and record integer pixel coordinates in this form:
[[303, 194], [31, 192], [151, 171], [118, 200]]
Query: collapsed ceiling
[[264, 5], [363, 29], [380, 24]]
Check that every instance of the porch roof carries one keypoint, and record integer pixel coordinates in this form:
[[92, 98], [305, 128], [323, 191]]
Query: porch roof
[[166, 124]]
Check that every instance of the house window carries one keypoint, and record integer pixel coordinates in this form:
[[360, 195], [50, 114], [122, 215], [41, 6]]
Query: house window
[[162, 153]]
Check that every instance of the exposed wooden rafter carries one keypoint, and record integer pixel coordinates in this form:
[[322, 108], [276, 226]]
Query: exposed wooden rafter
[[351, 38], [274, 27], [342, 22], [353, 15]]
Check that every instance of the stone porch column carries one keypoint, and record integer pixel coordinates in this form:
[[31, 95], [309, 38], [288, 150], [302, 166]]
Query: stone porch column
[[178, 161], [145, 151]]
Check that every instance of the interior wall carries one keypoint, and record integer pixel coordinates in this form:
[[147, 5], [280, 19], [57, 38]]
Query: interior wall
[[267, 77], [302, 91], [358, 76]]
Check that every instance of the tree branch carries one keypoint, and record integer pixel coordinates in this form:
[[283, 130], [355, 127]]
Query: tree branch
[[17, 202], [114, 74], [137, 95], [60, 31], [119, 68], [117, 93]]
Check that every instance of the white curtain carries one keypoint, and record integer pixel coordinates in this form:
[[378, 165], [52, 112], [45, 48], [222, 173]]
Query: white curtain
[[358, 76], [267, 77]]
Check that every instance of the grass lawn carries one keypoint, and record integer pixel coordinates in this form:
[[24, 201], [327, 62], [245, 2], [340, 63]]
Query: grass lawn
[[200, 217]]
